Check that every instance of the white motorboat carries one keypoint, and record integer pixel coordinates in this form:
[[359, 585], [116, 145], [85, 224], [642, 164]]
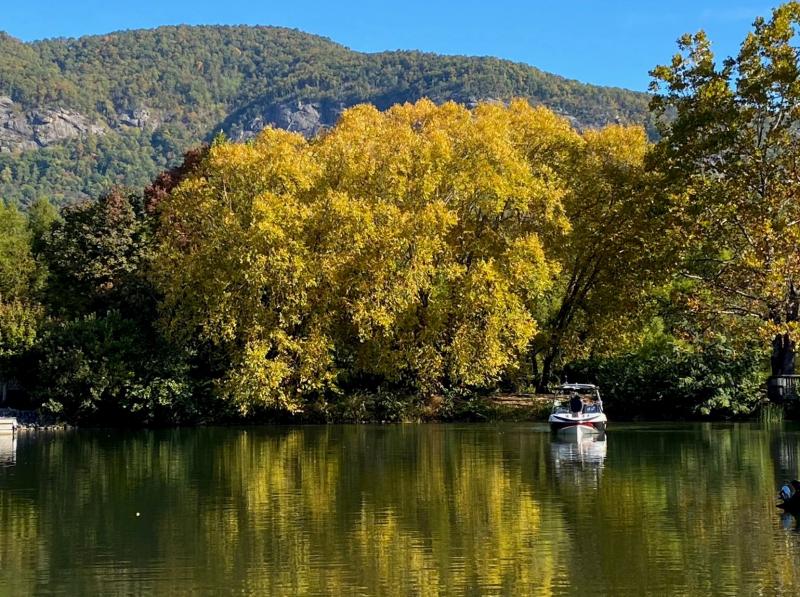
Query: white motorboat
[[578, 411]]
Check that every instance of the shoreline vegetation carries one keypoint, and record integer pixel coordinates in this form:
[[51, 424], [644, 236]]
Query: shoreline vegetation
[[488, 409], [405, 264], [495, 408]]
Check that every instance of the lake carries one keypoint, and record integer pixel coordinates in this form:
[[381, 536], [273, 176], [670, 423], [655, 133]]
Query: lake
[[676, 509]]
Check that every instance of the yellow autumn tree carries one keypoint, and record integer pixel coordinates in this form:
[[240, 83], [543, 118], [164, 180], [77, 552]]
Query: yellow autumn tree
[[449, 253], [614, 254], [235, 270], [407, 246]]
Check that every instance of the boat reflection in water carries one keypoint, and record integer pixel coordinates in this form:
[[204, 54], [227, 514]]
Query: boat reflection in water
[[8, 449], [789, 522], [579, 460]]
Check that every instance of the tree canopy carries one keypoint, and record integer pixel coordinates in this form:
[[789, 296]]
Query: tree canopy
[[407, 245], [729, 158]]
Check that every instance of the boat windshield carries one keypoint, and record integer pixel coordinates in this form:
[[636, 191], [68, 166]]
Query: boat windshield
[[560, 407], [589, 395]]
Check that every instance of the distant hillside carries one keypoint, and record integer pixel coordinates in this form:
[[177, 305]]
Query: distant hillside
[[80, 115]]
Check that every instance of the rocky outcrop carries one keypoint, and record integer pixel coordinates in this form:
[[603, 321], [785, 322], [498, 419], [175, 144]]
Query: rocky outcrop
[[22, 130], [141, 118], [15, 130], [306, 118], [52, 126]]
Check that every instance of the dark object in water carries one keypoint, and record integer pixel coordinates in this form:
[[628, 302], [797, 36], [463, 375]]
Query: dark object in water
[[792, 504]]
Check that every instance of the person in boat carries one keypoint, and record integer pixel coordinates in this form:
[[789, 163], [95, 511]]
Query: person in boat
[[575, 403], [791, 503]]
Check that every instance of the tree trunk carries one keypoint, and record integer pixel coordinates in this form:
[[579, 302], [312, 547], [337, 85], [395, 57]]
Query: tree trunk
[[547, 371], [584, 275]]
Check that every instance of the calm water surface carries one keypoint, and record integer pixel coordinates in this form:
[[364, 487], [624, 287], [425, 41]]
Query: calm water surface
[[399, 510]]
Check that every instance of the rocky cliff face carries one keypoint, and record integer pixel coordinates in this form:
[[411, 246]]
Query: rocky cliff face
[[23, 130], [32, 129], [142, 118], [306, 118]]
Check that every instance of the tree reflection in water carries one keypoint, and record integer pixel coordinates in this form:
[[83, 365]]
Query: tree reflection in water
[[398, 510]]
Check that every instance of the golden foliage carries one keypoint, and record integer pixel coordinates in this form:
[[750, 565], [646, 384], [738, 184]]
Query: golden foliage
[[414, 245]]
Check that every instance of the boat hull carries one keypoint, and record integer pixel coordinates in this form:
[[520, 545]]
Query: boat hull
[[8, 426], [578, 430], [577, 425]]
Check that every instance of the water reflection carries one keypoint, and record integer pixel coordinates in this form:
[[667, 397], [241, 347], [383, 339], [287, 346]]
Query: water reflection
[[789, 522], [8, 449], [397, 510], [579, 461]]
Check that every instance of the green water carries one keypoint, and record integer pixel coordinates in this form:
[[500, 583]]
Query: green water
[[399, 510]]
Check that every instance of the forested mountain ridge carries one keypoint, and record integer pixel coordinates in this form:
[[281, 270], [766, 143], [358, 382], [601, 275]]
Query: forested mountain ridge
[[78, 116]]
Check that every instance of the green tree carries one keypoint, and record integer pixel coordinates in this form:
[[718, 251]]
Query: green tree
[[20, 313], [100, 357], [728, 157], [100, 369], [17, 265], [95, 255], [42, 215]]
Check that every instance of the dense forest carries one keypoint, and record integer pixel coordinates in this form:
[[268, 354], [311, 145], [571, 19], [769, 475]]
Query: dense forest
[[404, 262], [83, 115]]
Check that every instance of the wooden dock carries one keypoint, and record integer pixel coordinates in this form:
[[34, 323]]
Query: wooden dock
[[8, 426]]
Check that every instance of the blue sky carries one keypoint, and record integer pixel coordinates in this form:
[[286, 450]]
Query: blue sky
[[609, 43]]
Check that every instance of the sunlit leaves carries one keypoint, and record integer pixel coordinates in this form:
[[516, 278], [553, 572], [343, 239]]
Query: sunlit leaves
[[729, 155], [613, 253], [20, 277], [407, 246]]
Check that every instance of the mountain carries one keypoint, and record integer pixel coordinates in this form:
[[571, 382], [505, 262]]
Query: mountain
[[78, 116]]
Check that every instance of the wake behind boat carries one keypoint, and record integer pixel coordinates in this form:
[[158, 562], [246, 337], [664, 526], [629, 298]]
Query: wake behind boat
[[577, 411]]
